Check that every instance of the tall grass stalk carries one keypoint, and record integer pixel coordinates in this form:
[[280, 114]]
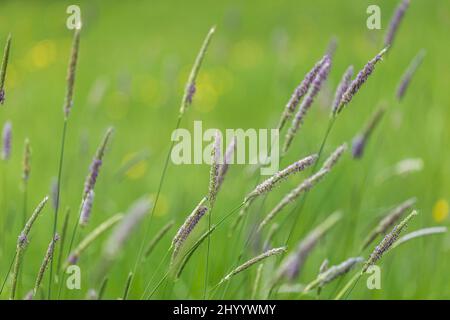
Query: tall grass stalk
[[68, 102], [63, 238], [22, 242], [213, 189], [186, 100]]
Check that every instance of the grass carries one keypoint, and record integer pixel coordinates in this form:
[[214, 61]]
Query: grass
[[133, 65]]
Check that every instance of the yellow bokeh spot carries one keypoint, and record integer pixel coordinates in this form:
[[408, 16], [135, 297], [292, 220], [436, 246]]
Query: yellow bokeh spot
[[162, 206], [42, 54], [137, 170], [440, 210]]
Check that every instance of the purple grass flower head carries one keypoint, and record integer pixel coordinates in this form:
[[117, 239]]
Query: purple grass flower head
[[190, 93], [2, 96], [407, 76], [91, 180], [360, 141], [361, 78], [358, 144], [332, 46], [73, 259], [86, 208], [22, 240], [188, 226], [307, 102], [190, 88], [71, 73], [215, 167], [7, 137], [96, 164], [300, 91], [395, 22], [124, 230], [342, 87], [227, 160]]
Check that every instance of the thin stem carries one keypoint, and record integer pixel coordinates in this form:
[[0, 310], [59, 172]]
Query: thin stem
[[161, 182], [207, 255], [58, 190], [187, 253], [324, 140], [17, 261], [9, 271], [72, 240], [353, 281], [127, 286]]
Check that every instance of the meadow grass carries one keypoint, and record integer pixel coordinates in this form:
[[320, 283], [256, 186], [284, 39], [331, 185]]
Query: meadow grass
[[241, 78]]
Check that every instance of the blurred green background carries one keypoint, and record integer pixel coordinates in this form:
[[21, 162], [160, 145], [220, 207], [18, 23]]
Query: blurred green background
[[134, 61]]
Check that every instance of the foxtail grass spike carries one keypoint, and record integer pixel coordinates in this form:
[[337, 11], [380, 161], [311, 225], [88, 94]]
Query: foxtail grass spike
[[420, 233], [299, 117], [389, 220], [341, 89], [96, 163], [300, 92], [23, 238], [253, 261], [306, 185], [293, 264], [332, 46], [360, 141], [192, 250], [48, 257], [158, 238], [91, 237], [7, 141], [191, 85], [187, 227], [4, 66], [360, 79], [274, 180], [387, 242], [71, 72], [22, 242], [395, 22], [227, 160], [124, 230], [407, 76], [214, 171], [86, 208], [332, 160], [333, 273]]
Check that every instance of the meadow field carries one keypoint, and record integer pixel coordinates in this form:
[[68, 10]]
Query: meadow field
[[133, 66]]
